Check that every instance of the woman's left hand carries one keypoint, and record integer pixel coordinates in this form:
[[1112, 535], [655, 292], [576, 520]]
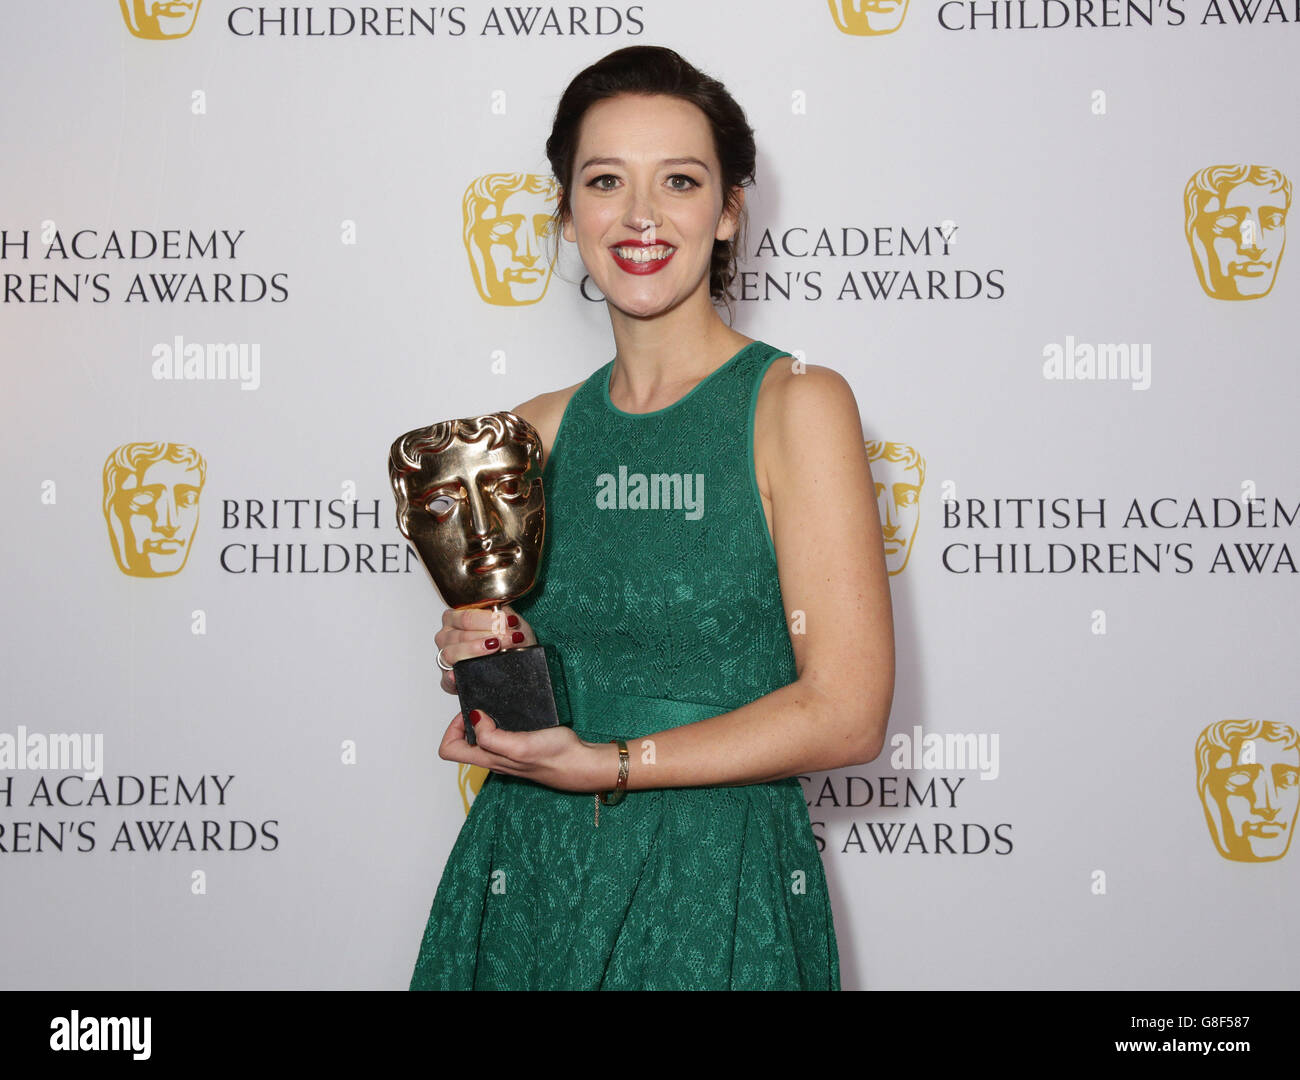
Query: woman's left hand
[[554, 756]]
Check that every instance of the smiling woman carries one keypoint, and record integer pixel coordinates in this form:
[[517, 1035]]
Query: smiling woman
[[662, 841], [649, 208]]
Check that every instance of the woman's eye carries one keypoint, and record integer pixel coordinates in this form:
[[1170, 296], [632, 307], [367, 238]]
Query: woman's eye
[[596, 182], [690, 183]]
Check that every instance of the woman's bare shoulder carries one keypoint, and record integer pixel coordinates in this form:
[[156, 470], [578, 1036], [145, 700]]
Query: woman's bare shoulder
[[544, 412], [811, 385], [795, 400], [802, 404]]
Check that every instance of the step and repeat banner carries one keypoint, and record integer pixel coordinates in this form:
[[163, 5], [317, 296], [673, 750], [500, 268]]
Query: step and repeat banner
[[243, 247]]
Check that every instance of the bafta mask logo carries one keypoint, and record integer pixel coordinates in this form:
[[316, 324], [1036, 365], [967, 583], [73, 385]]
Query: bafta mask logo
[[469, 498], [469, 778], [151, 504], [868, 18], [160, 20], [507, 222], [898, 495], [1248, 777], [1236, 226]]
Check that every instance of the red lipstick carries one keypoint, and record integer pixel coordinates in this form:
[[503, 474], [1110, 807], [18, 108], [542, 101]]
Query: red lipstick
[[650, 266]]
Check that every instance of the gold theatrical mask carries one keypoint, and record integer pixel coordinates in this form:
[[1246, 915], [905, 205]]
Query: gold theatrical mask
[[507, 219], [868, 18], [1248, 777], [469, 778], [469, 499], [151, 505], [1235, 221], [898, 497], [160, 20]]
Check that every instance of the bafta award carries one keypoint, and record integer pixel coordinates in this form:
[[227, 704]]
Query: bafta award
[[469, 499]]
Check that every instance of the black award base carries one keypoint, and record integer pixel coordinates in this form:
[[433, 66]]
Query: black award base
[[513, 687]]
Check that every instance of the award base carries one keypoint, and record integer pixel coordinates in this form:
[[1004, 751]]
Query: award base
[[513, 687]]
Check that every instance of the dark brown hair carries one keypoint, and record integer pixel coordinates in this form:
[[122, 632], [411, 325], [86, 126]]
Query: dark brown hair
[[651, 69]]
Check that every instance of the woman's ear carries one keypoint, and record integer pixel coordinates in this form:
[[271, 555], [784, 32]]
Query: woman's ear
[[566, 227], [729, 222]]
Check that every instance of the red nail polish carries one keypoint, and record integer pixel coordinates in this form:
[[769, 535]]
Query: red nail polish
[[512, 620], [516, 637], [475, 716], [492, 643]]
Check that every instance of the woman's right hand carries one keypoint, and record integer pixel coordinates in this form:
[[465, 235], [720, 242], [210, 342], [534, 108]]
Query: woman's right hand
[[470, 632]]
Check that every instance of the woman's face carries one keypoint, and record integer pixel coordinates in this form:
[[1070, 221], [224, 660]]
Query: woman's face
[[646, 202]]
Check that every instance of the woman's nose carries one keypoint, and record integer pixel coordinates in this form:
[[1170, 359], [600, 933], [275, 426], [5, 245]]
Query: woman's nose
[[642, 213]]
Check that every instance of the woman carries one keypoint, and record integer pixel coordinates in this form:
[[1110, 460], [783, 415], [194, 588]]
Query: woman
[[696, 699]]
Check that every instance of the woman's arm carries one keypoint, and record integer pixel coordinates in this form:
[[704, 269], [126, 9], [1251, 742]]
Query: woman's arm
[[830, 558]]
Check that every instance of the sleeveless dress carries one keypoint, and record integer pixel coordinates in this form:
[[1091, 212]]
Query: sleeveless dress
[[660, 604]]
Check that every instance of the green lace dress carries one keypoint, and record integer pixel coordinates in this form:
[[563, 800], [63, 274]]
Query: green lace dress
[[661, 604]]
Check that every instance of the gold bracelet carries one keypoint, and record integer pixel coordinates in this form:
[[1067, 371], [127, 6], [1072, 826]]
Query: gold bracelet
[[613, 798]]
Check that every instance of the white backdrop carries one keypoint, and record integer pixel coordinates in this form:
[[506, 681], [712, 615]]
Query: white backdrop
[[1046, 164]]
